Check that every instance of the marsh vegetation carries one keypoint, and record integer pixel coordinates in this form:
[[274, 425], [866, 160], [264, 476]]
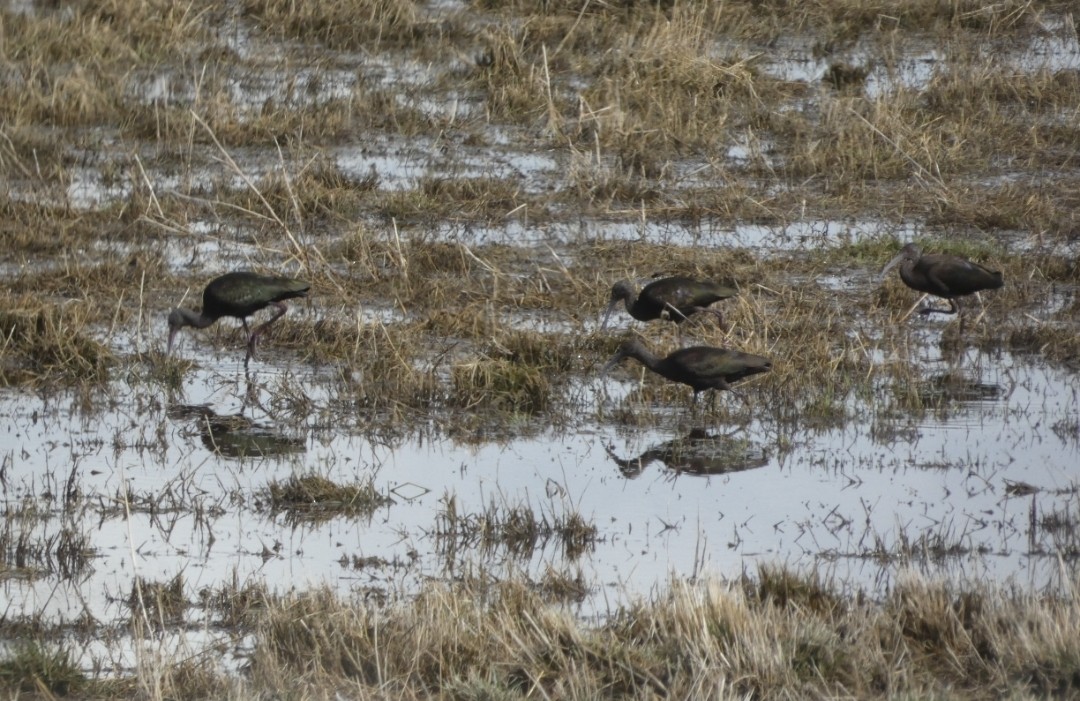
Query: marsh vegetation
[[422, 486]]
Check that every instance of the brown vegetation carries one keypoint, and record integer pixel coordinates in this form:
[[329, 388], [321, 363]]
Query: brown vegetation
[[462, 183]]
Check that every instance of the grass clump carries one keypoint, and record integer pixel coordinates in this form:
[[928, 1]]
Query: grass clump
[[75, 64], [321, 190], [1056, 342], [51, 344], [161, 604], [510, 74], [500, 385], [479, 197], [28, 548], [34, 667], [552, 354], [314, 497], [434, 199], [233, 604], [384, 368]]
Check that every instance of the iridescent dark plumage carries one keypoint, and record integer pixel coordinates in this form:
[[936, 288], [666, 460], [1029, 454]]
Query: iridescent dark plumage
[[239, 295], [701, 367], [942, 275], [677, 297]]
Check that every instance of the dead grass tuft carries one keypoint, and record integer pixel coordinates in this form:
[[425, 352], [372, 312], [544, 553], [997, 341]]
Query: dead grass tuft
[[500, 385], [320, 190], [74, 63], [511, 75], [32, 551], [190, 680], [338, 24], [786, 589], [661, 80], [480, 197], [34, 668], [314, 497], [161, 604], [45, 345], [1054, 341]]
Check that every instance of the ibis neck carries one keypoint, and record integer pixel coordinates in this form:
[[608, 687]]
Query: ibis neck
[[627, 292], [646, 358], [197, 319], [627, 297]]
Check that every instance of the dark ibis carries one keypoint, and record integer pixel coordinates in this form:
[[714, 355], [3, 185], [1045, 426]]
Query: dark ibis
[[701, 367], [675, 297], [239, 295], [941, 275]]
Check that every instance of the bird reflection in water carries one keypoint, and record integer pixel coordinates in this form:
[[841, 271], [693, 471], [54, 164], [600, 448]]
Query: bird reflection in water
[[696, 453], [236, 436], [963, 377]]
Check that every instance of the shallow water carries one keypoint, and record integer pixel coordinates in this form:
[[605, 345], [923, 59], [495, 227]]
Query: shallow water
[[867, 499]]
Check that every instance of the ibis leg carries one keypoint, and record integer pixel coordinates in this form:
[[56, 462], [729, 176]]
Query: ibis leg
[[724, 385], [719, 318], [253, 341]]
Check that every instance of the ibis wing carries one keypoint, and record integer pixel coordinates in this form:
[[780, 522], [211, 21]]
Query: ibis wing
[[242, 294], [716, 366], [685, 293], [952, 276]]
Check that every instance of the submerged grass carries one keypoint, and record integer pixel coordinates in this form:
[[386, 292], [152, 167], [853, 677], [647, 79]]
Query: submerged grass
[[519, 530], [32, 548]]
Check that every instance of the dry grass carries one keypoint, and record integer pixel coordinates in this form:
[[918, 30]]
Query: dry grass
[[32, 668], [775, 635], [456, 346], [47, 345], [214, 147], [161, 604], [338, 24], [314, 497]]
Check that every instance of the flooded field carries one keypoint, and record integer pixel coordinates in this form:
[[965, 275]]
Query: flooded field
[[462, 186], [982, 487]]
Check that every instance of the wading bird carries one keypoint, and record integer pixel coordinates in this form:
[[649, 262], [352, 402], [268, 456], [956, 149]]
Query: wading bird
[[701, 367], [941, 275], [239, 295], [677, 297]]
